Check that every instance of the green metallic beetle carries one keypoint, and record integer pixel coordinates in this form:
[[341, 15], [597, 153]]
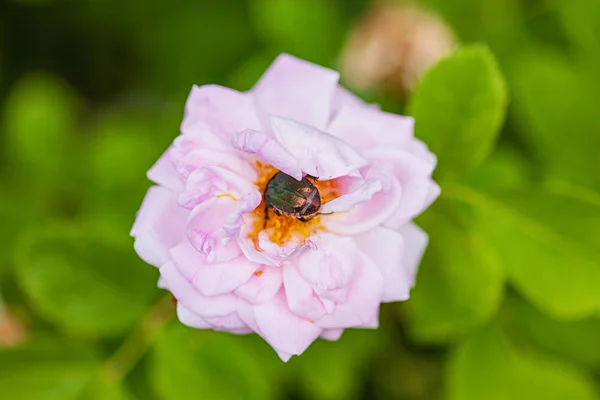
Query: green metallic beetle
[[286, 195]]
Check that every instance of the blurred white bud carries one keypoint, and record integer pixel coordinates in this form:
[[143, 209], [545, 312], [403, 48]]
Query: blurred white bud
[[392, 45]]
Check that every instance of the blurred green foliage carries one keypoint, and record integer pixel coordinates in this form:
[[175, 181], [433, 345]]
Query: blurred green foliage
[[508, 294]]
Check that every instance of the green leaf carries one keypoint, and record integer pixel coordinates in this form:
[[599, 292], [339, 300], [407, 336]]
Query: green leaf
[[548, 243], [459, 108], [460, 281], [555, 106], [487, 366], [192, 364], [39, 122], [333, 370], [83, 284], [45, 369], [574, 340], [506, 168], [310, 29], [102, 389]]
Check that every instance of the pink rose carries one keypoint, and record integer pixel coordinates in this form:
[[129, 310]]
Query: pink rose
[[232, 263]]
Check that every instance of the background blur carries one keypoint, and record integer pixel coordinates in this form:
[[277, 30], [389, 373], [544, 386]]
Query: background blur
[[507, 298]]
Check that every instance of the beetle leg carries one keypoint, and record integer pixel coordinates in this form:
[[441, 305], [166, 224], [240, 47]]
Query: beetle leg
[[266, 216]]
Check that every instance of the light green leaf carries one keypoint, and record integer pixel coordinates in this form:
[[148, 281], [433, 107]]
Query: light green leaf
[[191, 364], [506, 168], [333, 370], [309, 29], [555, 105], [83, 284], [103, 389], [45, 369], [459, 108], [574, 340], [487, 366], [39, 123], [460, 281], [548, 243]]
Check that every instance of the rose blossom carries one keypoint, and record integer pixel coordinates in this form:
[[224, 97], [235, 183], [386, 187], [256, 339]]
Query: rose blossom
[[232, 263]]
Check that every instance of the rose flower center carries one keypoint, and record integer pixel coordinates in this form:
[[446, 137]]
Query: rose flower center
[[285, 214]]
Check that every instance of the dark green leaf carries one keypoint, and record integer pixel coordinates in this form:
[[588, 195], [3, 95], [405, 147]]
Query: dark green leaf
[[83, 284], [45, 369], [192, 364]]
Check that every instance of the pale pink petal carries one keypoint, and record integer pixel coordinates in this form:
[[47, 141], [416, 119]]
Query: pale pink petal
[[268, 150], [283, 330], [221, 109], [262, 285], [285, 357], [232, 226], [277, 254], [414, 175], [164, 173], [332, 334], [364, 296], [197, 136], [158, 225], [331, 264], [293, 88], [415, 242], [301, 298], [213, 181], [190, 318], [231, 323], [364, 192], [343, 98], [386, 248], [318, 154], [216, 158], [205, 229], [366, 127], [211, 279], [191, 299], [367, 215]]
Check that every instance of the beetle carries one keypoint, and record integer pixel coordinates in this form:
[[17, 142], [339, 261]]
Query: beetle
[[286, 195]]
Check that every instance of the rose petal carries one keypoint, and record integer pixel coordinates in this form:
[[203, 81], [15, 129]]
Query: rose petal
[[268, 149], [365, 127], [282, 329], [332, 334], [296, 89], [364, 192], [211, 279], [221, 109], [164, 173], [386, 248], [301, 298], [157, 226], [213, 181], [205, 229], [190, 298], [262, 285], [215, 158], [414, 175], [415, 242], [367, 215], [318, 154], [364, 296]]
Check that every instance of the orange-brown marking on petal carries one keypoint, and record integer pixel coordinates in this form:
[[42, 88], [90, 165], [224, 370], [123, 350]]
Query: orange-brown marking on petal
[[284, 227], [258, 273]]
